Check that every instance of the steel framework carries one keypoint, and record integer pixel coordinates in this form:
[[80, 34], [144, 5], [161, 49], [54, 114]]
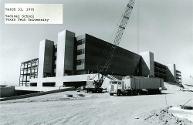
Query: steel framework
[[28, 70]]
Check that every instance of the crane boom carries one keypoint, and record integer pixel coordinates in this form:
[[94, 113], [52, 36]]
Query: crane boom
[[116, 41], [124, 20], [119, 33]]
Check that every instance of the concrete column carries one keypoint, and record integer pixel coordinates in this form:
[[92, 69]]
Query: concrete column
[[148, 57], [65, 53], [41, 59], [46, 56], [172, 69]]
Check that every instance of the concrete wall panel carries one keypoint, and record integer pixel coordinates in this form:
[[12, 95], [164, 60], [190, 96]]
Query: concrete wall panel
[[97, 52]]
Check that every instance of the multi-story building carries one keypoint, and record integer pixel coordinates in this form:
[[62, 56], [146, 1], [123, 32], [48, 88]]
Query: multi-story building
[[74, 60], [173, 74]]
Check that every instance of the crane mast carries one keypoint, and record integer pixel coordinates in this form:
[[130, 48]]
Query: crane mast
[[119, 33]]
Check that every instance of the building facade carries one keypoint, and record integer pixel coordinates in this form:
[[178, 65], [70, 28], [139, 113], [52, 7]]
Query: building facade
[[75, 59]]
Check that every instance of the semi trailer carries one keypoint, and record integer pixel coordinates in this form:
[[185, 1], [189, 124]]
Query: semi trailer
[[136, 85]]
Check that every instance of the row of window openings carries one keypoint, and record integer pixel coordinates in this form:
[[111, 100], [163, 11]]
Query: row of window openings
[[29, 63], [28, 71], [80, 51], [48, 84], [27, 78], [80, 42], [28, 66], [80, 62], [30, 75]]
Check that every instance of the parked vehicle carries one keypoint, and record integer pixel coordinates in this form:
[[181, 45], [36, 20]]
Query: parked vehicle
[[136, 85]]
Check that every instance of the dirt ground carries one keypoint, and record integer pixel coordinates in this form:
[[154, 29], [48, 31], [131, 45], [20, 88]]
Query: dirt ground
[[79, 108]]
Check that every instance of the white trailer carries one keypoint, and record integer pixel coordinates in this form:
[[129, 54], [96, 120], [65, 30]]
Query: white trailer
[[136, 85]]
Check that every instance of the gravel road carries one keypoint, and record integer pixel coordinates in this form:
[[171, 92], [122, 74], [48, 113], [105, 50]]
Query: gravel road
[[87, 109]]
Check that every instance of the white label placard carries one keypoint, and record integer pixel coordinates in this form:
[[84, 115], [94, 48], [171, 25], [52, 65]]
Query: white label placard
[[19, 13]]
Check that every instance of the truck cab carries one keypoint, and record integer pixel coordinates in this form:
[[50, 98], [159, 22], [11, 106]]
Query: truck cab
[[116, 87]]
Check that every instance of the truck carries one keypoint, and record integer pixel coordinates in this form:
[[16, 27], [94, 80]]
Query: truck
[[136, 85]]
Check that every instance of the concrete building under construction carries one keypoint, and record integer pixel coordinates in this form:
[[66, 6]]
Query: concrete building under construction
[[74, 59]]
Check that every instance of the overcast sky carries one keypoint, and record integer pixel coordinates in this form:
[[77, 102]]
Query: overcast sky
[[164, 27]]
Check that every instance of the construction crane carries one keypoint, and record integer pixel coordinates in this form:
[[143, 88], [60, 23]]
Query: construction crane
[[120, 31], [116, 41]]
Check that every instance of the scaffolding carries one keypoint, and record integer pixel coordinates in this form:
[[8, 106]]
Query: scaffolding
[[28, 70]]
